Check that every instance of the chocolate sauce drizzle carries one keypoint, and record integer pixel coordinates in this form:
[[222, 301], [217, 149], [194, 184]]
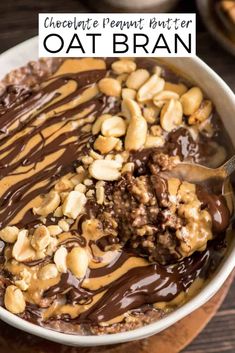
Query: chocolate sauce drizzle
[[145, 285], [217, 207], [36, 158], [67, 146], [134, 289]]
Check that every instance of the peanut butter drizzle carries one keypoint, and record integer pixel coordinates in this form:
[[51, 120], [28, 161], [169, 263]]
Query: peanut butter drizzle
[[43, 136], [126, 283], [121, 283], [99, 282]]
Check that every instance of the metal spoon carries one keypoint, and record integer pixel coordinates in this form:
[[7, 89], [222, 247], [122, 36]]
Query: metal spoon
[[210, 178], [196, 173]]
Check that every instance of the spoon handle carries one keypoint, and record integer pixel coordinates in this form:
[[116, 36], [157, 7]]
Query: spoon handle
[[229, 166]]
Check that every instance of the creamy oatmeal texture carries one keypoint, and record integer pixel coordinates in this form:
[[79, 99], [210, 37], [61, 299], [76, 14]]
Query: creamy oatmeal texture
[[88, 222]]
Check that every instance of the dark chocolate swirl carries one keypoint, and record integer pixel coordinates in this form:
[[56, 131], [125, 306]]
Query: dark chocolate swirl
[[38, 145], [44, 132]]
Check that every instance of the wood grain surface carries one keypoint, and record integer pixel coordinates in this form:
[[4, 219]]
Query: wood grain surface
[[18, 22]]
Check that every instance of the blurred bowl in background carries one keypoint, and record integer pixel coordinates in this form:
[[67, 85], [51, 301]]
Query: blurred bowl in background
[[131, 5], [217, 24]]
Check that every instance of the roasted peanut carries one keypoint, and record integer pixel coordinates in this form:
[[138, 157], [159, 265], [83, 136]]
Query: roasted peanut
[[191, 100], [100, 192], [73, 204], [58, 212], [54, 230], [151, 113], [52, 246], [81, 188], [105, 144], [137, 78], [9, 234], [77, 261], [87, 160], [88, 182], [123, 66], [119, 146], [14, 300], [105, 170], [136, 133], [163, 97], [49, 204], [63, 185], [154, 141], [90, 193], [63, 195], [98, 123], [128, 167], [60, 259], [75, 180], [122, 78], [22, 250], [178, 88], [201, 114], [128, 93], [63, 225], [119, 158], [154, 85], [24, 281], [114, 126], [171, 115], [48, 271], [95, 155], [110, 87], [81, 173], [125, 155], [130, 108], [41, 238]]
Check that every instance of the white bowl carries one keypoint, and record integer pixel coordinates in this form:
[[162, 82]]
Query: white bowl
[[224, 100]]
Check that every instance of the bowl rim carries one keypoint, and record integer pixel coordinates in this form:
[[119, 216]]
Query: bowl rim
[[198, 300]]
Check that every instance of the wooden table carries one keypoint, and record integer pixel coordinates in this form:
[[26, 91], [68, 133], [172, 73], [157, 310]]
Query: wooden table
[[18, 22]]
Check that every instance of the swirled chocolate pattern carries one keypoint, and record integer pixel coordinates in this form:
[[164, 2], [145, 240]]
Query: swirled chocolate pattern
[[44, 132]]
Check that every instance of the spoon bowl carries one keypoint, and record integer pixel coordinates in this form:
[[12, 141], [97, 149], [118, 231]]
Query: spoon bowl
[[199, 174], [216, 179]]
